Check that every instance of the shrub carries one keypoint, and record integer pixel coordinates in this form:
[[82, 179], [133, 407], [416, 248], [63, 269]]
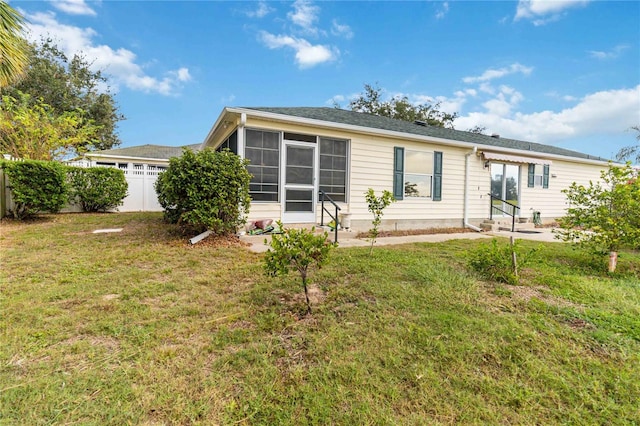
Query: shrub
[[97, 188], [299, 250], [36, 186], [494, 261], [603, 217], [205, 190]]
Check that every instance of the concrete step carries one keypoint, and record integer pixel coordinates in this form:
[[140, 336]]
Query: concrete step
[[505, 224]]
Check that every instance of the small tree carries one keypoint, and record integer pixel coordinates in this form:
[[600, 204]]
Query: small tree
[[36, 186], [376, 205], [97, 189], [205, 190], [604, 217], [297, 250]]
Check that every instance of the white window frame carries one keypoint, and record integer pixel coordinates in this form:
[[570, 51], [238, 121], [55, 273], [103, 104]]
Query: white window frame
[[407, 151]]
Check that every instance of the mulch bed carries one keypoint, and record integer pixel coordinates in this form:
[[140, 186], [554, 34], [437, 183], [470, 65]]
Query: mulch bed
[[407, 232]]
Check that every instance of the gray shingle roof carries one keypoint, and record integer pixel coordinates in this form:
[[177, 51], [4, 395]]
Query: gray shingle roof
[[156, 152], [335, 115]]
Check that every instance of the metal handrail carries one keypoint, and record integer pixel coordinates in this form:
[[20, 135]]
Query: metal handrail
[[512, 213], [324, 209]]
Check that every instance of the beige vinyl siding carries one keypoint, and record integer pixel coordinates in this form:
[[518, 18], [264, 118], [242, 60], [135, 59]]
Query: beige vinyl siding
[[370, 165], [479, 189], [551, 202], [264, 211]]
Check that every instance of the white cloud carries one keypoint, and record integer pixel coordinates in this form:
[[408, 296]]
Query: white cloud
[[608, 111], [261, 11], [307, 55], [73, 7], [492, 74], [443, 10], [544, 11], [120, 64], [341, 30], [304, 15], [611, 54]]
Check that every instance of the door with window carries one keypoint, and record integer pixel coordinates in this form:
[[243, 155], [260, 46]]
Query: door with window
[[505, 185], [299, 177]]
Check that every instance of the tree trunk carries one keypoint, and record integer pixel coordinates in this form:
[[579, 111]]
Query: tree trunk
[[613, 261], [306, 293]]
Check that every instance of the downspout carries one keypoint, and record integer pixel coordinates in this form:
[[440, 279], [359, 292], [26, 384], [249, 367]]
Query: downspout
[[465, 218]]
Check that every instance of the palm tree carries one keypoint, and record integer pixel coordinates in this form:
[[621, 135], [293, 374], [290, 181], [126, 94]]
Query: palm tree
[[14, 49]]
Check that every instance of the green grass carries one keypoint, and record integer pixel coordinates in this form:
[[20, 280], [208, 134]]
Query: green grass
[[140, 328]]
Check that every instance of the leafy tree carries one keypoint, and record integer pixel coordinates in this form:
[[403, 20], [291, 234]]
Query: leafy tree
[[477, 129], [70, 85], [31, 129], [400, 108], [297, 250], [36, 186], [97, 189], [604, 216], [13, 47], [628, 152], [376, 205], [206, 190]]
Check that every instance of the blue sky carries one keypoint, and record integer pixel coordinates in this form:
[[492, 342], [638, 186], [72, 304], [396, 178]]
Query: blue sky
[[564, 73]]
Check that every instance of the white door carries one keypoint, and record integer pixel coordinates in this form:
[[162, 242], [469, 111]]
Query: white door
[[299, 177]]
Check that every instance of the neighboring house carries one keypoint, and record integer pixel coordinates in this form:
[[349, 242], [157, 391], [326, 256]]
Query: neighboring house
[[141, 166], [440, 177]]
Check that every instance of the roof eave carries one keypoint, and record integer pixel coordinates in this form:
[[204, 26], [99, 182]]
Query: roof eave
[[127, 157], [391, 133]]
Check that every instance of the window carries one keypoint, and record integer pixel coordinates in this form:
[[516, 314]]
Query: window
[[333, 168], [418, 173], [231, 143], [538, 176], [262, 149]]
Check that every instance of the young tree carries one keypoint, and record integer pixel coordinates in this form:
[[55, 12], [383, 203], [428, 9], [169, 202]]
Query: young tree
[[206, 190], [604, 216], [297, 250], [376, 205], [69, 85], [400, 108], [30, 129], [13, 47], [628, 152]]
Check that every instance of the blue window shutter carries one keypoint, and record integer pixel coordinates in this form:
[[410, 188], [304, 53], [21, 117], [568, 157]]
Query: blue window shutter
[[545, 176], [398, 173], [437, 176], [532, 176]]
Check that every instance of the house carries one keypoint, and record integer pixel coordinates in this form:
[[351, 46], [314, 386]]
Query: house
[[439, 177], [141, 166]]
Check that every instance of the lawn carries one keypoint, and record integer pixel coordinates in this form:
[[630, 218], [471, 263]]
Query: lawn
[[138, 327]]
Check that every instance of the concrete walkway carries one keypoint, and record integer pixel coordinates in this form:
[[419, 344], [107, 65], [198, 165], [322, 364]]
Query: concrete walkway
[[346, 239]]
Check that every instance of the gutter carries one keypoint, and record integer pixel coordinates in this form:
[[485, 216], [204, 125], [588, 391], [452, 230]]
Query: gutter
[[465, 215]]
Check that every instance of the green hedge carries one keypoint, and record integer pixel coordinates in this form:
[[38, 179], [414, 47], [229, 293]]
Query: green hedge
[[36, 187], [97, 189], [205, 190]]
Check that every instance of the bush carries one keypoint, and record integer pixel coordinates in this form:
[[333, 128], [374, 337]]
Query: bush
[[494, 261], [297, 250], [205, 190], [97, 188], [36, 186]]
